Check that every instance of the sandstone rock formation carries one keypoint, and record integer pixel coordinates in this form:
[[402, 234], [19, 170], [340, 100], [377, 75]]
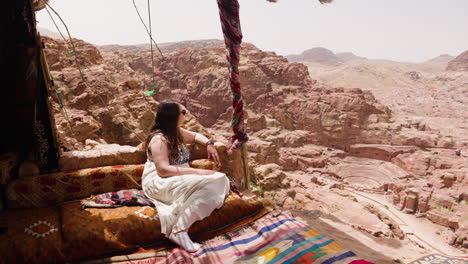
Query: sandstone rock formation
[[60, 55], [434, 185], [168, 47], [460, 63], [421, 93], [310, 144]]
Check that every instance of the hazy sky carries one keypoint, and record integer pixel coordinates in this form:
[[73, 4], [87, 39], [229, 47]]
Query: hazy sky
[[403, 30]]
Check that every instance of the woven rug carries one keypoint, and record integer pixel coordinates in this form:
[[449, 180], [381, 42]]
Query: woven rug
[[440, 259], [276, 238]]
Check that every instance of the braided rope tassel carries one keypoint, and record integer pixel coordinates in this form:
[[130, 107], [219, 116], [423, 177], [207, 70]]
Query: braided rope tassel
[[229, 15]]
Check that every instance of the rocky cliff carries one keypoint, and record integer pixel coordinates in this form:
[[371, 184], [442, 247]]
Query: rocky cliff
[[311, 145]]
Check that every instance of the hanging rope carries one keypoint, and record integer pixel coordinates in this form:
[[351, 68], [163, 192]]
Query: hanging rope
[[163, 58], [58, 94], [71, 40], [55, 24], [147, 31], [229, 15]]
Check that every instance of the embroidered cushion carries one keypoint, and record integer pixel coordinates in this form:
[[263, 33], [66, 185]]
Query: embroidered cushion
[[52, 189], [97, 231], [205, 164], [32, 236], [92, 232]]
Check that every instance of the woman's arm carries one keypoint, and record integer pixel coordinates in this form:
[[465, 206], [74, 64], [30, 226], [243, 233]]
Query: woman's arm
[[160, 154], [190, 137]]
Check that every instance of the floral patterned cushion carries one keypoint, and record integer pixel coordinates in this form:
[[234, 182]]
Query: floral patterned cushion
[[52, 189], [205, 164], [92, 232], [47, 190], [31, 236]]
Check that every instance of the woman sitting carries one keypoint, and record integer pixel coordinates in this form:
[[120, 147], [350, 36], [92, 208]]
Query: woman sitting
[[182, 195]]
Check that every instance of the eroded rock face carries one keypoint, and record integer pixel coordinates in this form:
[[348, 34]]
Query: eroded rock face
[[307, 140], [270, 177], [419, 94], [460, 238], [61, 55], [112, 94]]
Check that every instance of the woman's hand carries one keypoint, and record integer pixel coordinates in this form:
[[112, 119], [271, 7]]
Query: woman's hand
[[213, 153]]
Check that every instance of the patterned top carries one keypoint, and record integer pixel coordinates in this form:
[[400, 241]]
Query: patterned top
[[184, 155]]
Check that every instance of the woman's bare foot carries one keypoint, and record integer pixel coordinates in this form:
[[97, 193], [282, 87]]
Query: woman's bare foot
[[182, 239]]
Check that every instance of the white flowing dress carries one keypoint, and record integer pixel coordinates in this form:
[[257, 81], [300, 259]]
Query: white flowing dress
[[181, 200]]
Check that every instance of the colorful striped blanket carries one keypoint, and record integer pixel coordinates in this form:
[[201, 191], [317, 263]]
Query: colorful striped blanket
[[276, 238]]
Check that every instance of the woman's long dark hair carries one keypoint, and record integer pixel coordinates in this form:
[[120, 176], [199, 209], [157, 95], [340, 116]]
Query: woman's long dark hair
[[166, 123]]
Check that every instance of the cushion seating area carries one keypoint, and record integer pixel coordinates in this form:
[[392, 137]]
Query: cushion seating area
[[49, 227], [92, 232], [68, 233], [52, 189], [55, 188]]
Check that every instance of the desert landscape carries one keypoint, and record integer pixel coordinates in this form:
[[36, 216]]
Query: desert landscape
[[373, 153]]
